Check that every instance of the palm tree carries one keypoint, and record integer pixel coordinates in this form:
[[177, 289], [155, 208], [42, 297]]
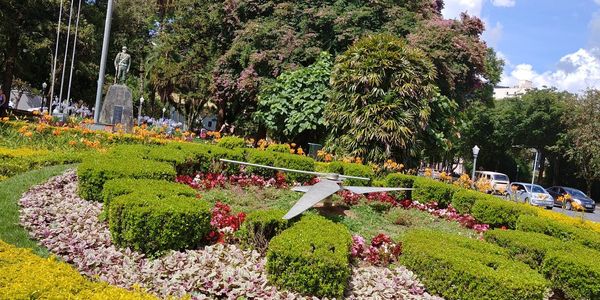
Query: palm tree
[[380, 100]]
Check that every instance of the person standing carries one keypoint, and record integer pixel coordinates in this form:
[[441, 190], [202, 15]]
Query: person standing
[[3, 104]]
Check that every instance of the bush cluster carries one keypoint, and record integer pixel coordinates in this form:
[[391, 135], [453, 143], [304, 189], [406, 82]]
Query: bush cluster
[[282, 160], [24, 275], [567, 265], [152, 223], [457, 267], [20, 160], [231, 142], [261, 226], [352, 169], [311, 257], [497, 212], [427, 190], [561, 231]]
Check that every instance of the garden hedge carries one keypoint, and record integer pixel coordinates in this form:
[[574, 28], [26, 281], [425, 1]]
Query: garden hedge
[[24, 275], [497, 212], [399, 180], [311, 257], [153, 223], [567, 265], [352, 169], [282, 160], [456, 267], [464, 199], [564, 232], [231, 142], [161, 188], [96, 170], [261, 226], [427, 190]]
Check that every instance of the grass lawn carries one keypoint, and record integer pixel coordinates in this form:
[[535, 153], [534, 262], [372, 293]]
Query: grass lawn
[[10, 192]]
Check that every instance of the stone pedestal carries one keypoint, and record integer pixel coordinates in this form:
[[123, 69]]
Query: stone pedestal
[[118, 107]]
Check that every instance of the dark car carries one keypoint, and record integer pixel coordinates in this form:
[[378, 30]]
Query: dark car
[[558, 193]]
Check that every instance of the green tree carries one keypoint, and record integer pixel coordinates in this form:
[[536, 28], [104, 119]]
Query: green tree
[[381, 89], [583, 136], [292, 106]]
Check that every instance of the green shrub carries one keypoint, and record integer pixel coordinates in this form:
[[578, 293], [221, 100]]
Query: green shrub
[[127, 151], [281, 148], [261, 226], [400, 180], [96, 170], [151, 223], [464, 199], [528, 247], [118, 187], [427, 190], [322, 167], [296, 162], [457, 267], [564, 232], [266, 158], [497, 212], [231, 142], [576, 272], [311, 257], [352, 169]]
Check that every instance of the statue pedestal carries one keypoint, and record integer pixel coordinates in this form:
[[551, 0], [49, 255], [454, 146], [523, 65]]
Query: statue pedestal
[[118, 107]]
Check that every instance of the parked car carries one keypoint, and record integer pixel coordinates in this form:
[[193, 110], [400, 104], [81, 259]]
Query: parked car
[[498, 181], [531, 193], [559, 193]]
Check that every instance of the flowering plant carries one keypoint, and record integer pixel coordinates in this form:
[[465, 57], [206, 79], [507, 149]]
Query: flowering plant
[[382, 251], [224, 223]]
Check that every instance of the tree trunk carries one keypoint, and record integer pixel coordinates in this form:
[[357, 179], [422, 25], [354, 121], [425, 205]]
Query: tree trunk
[[10, 58], [589, 184]]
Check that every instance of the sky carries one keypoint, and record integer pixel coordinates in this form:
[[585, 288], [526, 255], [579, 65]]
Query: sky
[[553, 43]]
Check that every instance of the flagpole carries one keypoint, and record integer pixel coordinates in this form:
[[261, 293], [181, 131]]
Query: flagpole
[[62, 78], [74, 47], [55, 58], [102, 72]]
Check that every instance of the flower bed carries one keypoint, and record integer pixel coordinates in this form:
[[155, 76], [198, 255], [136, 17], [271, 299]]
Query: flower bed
[[69, 227]]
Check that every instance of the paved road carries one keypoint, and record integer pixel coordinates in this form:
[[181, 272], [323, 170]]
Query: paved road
[[595, 216]]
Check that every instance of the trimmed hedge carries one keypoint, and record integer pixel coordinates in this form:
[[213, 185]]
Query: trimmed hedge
[[281, 148], [118, 187], [24, 275], [311, 257], [96, 170], [231, 142], [576, 273], [427, 190], [464, 199], [497, 212], [400, 180], [352, 169], [282, 160], [585, 237], [152, 223], [261, 226], [568, 266], [457, 267]]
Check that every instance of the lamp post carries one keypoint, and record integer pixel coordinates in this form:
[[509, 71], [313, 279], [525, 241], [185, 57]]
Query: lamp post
[[163, 115], [475, 154], [534, 164], [140, 111], [44, 86]]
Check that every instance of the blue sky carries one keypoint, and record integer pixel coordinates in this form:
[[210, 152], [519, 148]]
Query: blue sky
[[550, 42]]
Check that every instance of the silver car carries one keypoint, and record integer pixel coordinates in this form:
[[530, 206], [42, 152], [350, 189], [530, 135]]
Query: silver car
[[532, 194]]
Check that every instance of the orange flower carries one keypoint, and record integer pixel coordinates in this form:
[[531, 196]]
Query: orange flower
[[56, 132], [300, 151], [328, 157], [5, 119], [72, 143], [28, 134]]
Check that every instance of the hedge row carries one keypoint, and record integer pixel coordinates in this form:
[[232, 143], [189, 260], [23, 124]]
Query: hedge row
[[261, 226], [311, 257], [283, 160], [585, 237], [569, 267], [352, 169], [24, 275], [20, 160], [152, 223], [457, 267]]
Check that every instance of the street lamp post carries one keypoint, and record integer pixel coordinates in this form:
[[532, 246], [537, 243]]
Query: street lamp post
[[44, 86], [140, 111], [163, 115], [534, 165], [475, 154]]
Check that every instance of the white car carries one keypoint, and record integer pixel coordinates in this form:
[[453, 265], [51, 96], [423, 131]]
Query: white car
[[498, 181], [532, 194]]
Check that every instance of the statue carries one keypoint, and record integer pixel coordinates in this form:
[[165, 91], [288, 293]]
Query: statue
[[122, 63]]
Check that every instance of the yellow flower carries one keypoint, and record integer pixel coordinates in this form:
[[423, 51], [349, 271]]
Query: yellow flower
[[72, 143], [292, 151], [5, 119], [28, 134], [300, 151]]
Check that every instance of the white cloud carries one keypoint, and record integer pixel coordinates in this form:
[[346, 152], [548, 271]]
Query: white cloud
[[574, 72], [453, 8], [493, 35], [508, 3], [597, 2]]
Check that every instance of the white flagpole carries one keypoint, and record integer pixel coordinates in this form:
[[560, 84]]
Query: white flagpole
[[55, 58], [103, 60], [74, 47], [62, 79]]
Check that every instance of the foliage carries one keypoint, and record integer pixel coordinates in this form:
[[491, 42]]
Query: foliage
[[150, 223], [352, 169], [231, 142], [282, 160], [94, 171], [528, 247], [380, 98], [468, 268], [261, 226], [281, 148], [293, 105], [224, 223], [311, 257], [563, 232], [24, 275], [583, 136], [401, 180], [427, 190], [464, 199], [497, 212], [381, 252]]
